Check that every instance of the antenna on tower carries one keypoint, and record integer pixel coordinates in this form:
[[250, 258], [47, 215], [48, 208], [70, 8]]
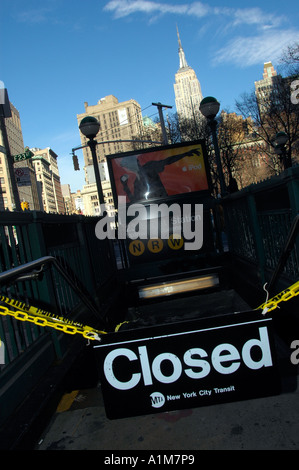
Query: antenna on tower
[[178, 35], [183, 61]]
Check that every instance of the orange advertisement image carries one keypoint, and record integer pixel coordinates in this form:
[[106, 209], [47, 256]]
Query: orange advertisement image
[[161, 173]]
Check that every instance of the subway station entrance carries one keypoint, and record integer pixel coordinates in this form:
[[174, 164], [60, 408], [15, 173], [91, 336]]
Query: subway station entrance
[[191, 303]]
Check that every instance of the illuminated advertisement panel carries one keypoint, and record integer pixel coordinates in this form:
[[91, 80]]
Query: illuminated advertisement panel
[[159, 173]]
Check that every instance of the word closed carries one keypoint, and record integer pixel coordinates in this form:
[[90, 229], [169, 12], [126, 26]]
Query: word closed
[[184, 365]]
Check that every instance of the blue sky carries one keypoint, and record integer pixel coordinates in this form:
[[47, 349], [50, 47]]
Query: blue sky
[[57, 54]]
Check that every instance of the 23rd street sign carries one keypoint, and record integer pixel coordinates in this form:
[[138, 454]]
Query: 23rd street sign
[[23, 156]]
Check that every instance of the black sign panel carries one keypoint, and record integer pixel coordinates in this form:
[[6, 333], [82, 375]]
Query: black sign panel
[[188, 364], [182, 228]]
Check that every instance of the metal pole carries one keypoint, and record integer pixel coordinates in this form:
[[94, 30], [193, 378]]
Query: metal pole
[[160, 106], [116, 141], [92, 144], [287, 162], [212, 123], [284, 157]]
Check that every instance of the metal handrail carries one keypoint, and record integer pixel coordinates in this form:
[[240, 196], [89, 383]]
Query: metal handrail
[[285, 253], [29, 271]]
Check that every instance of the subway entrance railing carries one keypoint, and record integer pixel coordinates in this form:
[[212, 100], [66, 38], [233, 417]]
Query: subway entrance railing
[[56, 264], [127, 291], [248, 369]]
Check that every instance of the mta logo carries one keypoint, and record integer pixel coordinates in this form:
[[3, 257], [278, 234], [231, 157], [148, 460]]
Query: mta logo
[[157, 399]]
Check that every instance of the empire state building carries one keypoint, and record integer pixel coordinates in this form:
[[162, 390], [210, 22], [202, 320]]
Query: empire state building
[[187, 88]]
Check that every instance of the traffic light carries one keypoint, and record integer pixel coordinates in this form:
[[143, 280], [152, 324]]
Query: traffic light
[[25, 206], [75, 162]]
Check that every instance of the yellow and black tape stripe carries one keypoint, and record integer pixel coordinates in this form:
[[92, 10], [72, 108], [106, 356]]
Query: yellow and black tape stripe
[[43, 318], [283, 296]]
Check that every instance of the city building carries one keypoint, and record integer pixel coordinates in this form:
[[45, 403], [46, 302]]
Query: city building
[[90, 176], [243, 152], [120, 124], [269, 88], [48, 179], [277, 112], [23, 170], [89, 192], [91, 205], [68, 200], [6, 194], [264, 87], [78, 202], [187, 88]]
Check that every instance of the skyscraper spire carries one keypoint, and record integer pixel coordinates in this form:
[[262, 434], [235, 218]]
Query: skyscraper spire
[[183, 61], [187, 88]]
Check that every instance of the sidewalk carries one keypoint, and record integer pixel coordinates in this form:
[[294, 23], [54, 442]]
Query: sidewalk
[[270, 423]]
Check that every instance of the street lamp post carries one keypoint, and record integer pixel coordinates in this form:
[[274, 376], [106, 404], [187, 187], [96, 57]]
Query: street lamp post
[[209, 107], [280, 140], [89, 126], [160, 106]]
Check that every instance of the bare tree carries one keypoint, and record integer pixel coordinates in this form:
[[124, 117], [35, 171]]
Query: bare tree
[[271, 114], [232, 130], [290, 60]]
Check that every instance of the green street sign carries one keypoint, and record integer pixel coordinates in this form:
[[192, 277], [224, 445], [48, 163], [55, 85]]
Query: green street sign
[[23, 156]]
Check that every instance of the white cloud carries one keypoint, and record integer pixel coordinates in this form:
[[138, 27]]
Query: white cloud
[[255, 16], [122, 8], [247, 51], [267, 37]]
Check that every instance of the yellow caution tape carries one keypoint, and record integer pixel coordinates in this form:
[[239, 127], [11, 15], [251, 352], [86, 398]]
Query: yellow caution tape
[[283, 296], [119, 325], [43, 318]]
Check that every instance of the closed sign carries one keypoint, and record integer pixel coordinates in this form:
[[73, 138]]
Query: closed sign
[[187, 364]]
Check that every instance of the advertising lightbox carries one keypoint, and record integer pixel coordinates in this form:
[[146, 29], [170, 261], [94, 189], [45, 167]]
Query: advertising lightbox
[[159, 173]]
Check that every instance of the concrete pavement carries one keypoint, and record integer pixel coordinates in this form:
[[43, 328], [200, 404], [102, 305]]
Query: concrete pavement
[[270, 423]]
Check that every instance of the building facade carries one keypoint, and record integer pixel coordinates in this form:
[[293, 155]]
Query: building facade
[[6, 194], [48, 179], [187, 88], [119, 122], [277, 113], [68, 200], [91, 205], [23, 170], [266, 88], [78, 202]]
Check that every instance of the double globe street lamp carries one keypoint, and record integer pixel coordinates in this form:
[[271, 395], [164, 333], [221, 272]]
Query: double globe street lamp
[[90, 126], [209, 107]]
